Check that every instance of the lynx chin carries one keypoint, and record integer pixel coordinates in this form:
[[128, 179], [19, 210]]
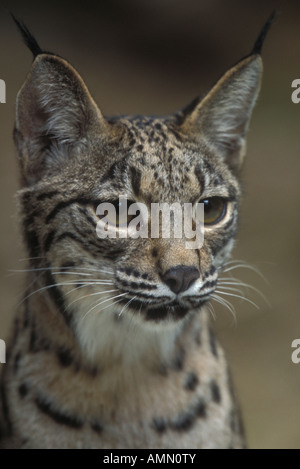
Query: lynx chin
[[112, 345]]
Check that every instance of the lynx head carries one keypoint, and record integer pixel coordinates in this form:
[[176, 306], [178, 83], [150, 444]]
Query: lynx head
[[72, 159]]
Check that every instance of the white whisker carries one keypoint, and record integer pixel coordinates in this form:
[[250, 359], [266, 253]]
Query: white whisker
[[236, 282], [212, 311], [88, 284], [230, 288], [225, 303], [107, 306], [238, 296], [127, 304], [47, 288], [101, 302], [71, 273], [239, 264], [89, 295], [66, 270]]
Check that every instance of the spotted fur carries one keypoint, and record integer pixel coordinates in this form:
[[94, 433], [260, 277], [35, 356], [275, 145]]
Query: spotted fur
[[108, 351]]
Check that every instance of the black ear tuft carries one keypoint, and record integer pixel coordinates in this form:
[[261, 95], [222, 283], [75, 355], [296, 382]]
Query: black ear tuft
[[28, 38], [262, 35]]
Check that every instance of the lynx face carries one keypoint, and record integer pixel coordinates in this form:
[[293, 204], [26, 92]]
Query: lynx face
[[73, 159]]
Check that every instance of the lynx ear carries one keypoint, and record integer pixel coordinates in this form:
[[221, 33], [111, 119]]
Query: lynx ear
[[223, 116], [55, 112]]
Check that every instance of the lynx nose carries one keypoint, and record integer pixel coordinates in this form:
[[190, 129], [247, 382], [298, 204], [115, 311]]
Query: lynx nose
[[180, 278]]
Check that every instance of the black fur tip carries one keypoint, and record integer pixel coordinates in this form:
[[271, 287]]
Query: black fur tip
[[28, 38], [262, 35]]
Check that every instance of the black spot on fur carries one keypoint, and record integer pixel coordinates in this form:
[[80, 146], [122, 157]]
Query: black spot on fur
[[17, 362], [200, 176], [215, 392], [128, 270], [191, 381], [62, 418], [23, 390], [162, 312], [93, 371], [65, 357], [232, 192], [32, 242], [57, 297], [37, 343], [183, 423], [146, 286], [66, 203], [200, 409], [83, 244], [178, 362], [176, 134], [212, 343], [186, 420], [154, 252], [89, 219], [49, 240], [218, 180], [97, 427], [26, 312], [110, 174], [208, 167], [228, 224], [159, 425], [67, 265], [47, 195], [198, 337]]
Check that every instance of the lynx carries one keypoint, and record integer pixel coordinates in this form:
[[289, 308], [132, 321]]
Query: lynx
[[112, 346]]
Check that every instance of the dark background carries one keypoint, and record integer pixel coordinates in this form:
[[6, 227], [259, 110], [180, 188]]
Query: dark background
[[153, 57]]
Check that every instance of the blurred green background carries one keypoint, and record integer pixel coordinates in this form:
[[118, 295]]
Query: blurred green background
[[153, 57]]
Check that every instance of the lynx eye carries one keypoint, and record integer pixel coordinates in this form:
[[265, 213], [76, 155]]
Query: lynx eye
[[214, 210], [115, 212]]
